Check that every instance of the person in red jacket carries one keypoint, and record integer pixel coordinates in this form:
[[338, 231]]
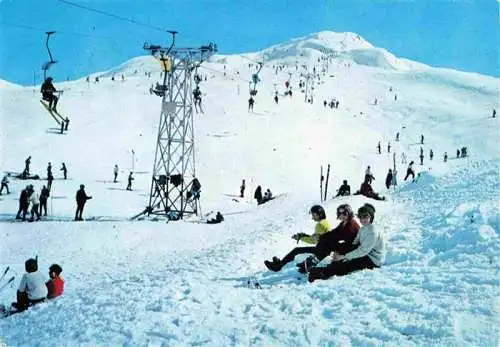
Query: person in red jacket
[[56, 284], [341, 236]]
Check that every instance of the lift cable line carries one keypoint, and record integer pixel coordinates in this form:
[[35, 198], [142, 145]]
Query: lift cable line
[[175, 189], [60, 32], [112, 15]]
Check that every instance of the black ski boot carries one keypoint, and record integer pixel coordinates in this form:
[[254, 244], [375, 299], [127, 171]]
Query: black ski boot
[[274, 265], [307, 264]]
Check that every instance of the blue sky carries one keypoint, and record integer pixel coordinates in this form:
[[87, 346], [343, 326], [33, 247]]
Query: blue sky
[[457, 34]]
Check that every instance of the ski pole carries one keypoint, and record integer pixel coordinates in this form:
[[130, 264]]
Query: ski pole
[[4, 273]]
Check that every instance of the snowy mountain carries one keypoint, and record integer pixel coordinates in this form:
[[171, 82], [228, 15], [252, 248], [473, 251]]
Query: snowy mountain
[[185, 283]]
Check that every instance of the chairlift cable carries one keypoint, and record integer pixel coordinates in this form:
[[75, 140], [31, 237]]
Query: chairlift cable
[[112, 15]]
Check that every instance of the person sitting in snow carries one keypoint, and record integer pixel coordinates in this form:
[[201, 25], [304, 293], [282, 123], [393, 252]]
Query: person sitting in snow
[[318, 215], [55, 286], [367, 251], [218, 218], [32, 289], [344, 189], [267, 196], [367, 190]]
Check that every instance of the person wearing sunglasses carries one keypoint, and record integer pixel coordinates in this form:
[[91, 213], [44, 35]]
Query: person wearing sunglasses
[[344, 233], [318, 215], [367, 251]]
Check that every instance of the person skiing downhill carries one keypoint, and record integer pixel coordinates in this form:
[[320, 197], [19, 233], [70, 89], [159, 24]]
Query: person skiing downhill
[[48, 91]]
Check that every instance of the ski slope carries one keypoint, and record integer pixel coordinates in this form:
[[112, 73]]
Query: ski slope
[[185, 283]]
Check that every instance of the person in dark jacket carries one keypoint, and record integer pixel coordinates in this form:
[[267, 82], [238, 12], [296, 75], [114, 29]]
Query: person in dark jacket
[[258, 195], [81, 199], [344, 189], [44, 195], [367, 190], [218, 218], [64, 170], [409, 171], [130, 179], [388, 179], [24, 203], [48, 91], [242, 189]]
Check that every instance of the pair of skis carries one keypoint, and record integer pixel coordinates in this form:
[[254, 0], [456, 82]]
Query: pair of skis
[[321, 179], [61, 121]]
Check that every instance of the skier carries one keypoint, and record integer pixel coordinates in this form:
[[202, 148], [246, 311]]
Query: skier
[[48, 91], [389, 147], [367, 251], [242, 189], [35, 204], [403, 158], [250, 104], [55, 286], [24, 203], [318, 215], [257, 195], [195, 190], [5, 184], [422, 139], [379, 148], [431, 154], [44, 195], [49, 169], [368, 175], [397, 136], [421, 158], [458, 153], [81, 199], [445, 158], [64, 170], [276, 97], [494, 113], [409, 171], [26, 171], [394, 181], [130, 179], [115, 171], [388, 179], [50, 178], [344, 189]]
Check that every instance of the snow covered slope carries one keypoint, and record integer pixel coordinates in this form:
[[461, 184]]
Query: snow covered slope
[[184, 283]]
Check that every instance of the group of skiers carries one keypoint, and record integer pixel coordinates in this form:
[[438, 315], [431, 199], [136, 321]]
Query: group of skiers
[[351, 247], [33, 289]]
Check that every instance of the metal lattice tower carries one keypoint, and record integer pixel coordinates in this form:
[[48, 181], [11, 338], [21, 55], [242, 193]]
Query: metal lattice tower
[[174, 169]]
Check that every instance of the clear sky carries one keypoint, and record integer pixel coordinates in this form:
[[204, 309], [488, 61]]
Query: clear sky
[[457, 34]]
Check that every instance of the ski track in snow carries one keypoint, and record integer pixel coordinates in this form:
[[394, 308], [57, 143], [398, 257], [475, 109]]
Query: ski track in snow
[[148, 283]]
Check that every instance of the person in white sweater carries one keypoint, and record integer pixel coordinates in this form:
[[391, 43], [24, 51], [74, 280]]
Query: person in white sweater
[[32, 289], [35, 203], [368, 250]]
